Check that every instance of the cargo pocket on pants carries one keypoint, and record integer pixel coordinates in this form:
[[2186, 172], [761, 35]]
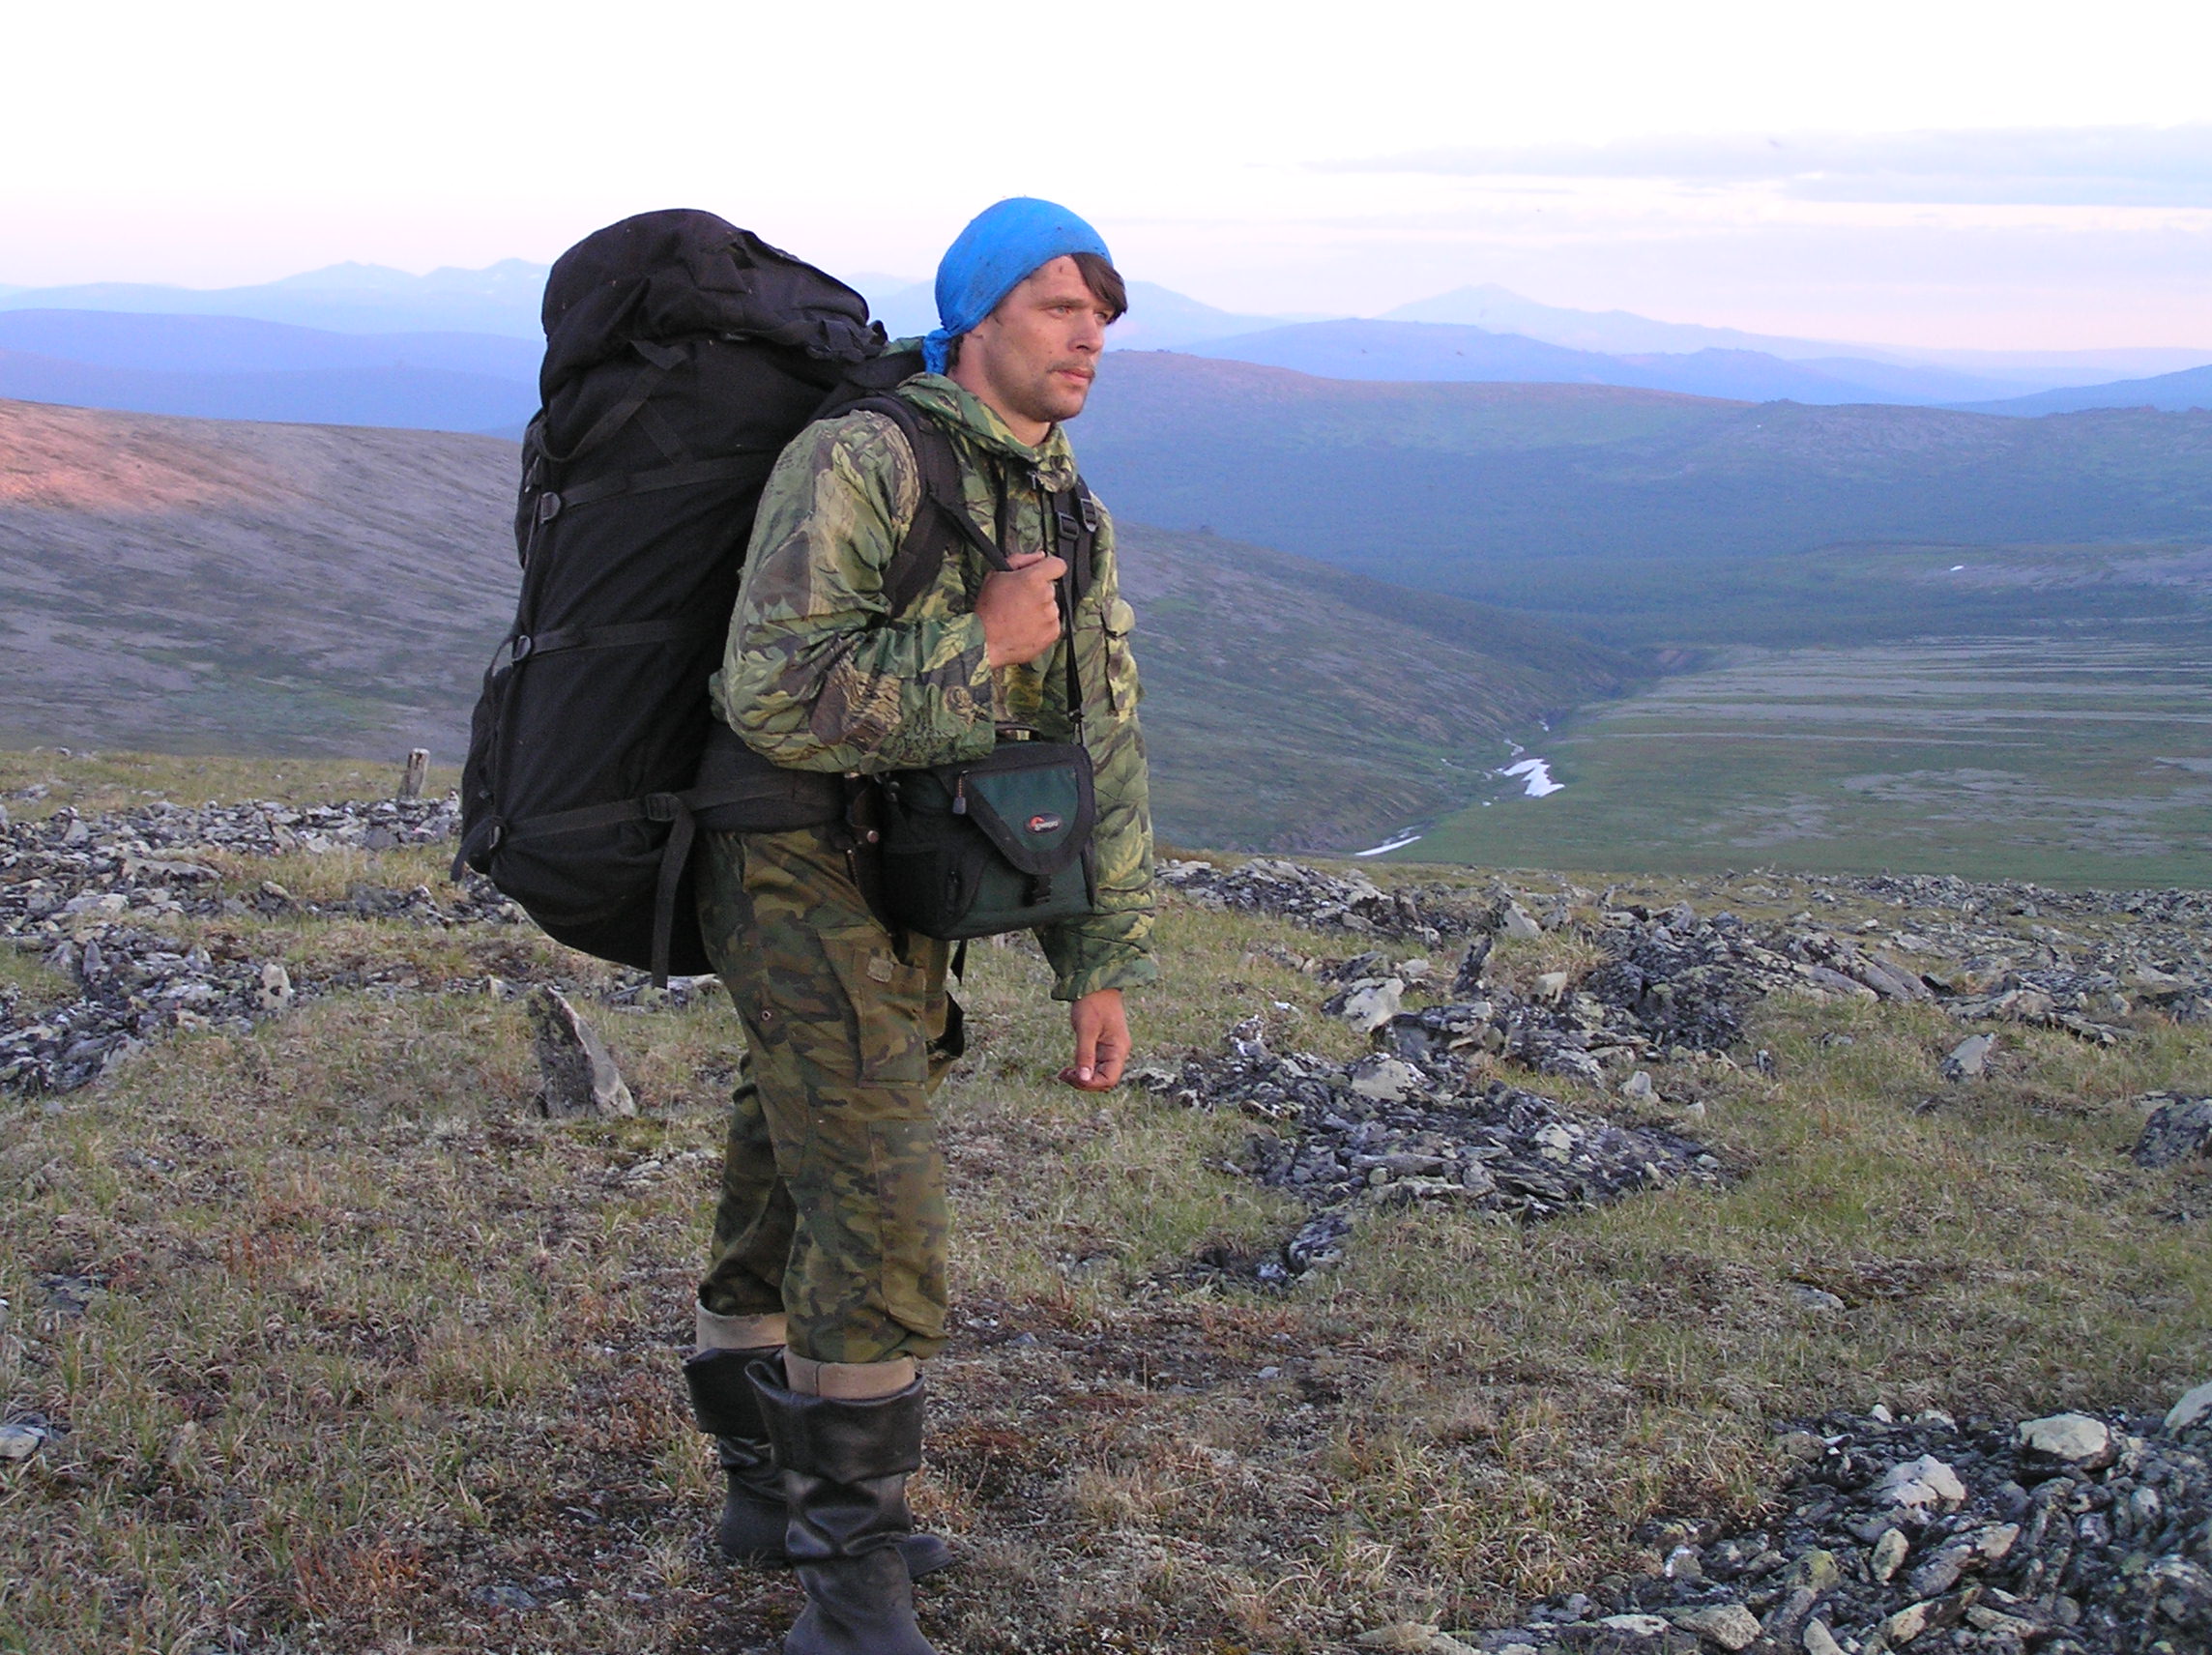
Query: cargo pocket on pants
[[889, 1005]]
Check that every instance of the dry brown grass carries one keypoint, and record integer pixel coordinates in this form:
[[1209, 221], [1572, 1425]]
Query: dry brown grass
[[372, 1341]]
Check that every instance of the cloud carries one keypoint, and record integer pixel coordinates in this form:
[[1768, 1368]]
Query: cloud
[[2085, 166]]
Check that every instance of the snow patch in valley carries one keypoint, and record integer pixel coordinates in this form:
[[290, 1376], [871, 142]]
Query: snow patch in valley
[[1397, 844], [1535, 776]]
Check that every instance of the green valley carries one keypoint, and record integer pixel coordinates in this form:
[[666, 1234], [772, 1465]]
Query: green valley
[[2065, 760]]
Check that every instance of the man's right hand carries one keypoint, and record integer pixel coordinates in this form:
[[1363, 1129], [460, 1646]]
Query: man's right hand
[[1020, 610]]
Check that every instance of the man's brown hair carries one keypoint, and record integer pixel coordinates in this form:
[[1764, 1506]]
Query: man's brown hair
[[1105, 284], [1103, 278]]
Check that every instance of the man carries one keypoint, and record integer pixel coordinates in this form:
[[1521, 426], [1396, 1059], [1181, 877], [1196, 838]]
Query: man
[[827, 1286]]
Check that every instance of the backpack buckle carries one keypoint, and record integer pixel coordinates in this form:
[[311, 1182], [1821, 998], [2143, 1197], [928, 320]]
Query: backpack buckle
[[663, 806], [548, 507]]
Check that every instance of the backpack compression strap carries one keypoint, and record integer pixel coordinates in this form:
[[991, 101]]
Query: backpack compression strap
[[737, 791]]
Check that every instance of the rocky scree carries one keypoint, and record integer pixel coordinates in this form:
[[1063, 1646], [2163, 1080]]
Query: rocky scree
[[2072, 1535], [1672, 980], [1292, 891], [1391, 1130], [99, 899]]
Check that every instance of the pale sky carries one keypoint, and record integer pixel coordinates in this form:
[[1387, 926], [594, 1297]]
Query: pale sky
[[2017, 175]]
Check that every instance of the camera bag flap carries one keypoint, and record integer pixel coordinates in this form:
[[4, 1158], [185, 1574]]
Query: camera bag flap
[[1002, 844], [1033, 801]]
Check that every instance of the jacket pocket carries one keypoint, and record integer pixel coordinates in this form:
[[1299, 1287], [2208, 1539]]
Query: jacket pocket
[[1122, 692]]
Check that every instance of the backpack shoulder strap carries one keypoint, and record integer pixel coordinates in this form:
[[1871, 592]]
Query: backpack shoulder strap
[[940, 518], [1075, 535]]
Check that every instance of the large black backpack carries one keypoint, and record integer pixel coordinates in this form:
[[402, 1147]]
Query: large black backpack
[[681, 355]]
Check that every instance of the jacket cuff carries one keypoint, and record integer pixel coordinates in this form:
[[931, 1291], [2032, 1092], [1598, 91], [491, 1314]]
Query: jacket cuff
[[1123, 966]]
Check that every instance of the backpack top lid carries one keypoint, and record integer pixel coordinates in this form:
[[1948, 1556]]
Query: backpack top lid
[[679, 273]]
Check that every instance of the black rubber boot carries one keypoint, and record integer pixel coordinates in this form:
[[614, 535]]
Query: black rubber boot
[[845, 1466], [754, 1516]]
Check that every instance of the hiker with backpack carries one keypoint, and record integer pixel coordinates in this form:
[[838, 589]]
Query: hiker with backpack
[[827, 1287], [912, 723]]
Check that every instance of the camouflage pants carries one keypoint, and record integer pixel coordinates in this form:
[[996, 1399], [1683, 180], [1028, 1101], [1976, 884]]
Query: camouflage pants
[[832, 1206]]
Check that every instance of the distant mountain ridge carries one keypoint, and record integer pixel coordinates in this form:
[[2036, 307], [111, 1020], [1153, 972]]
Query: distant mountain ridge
[[1502, 310], [2170, 391], [234, 344], [358, 343], [227, 368], [1623, 332], [502, 298], [1410, 351]]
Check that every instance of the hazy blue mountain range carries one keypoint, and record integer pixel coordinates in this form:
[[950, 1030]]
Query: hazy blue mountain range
[[2189, 389], [417, 397], [1637, 515], [240, 369], [344, 297], [504, 299], [1359, 349], [1504, 311], [229, 368], [1623, 332], [232, 345], [456, 350]]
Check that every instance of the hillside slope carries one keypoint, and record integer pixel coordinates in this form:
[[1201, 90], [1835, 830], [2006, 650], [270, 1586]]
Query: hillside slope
[[196, 585], [1635, 511], [1292, 705], [394, 396], [200, 585]]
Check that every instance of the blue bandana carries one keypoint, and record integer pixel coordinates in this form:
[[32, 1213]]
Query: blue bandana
[[998, 251]]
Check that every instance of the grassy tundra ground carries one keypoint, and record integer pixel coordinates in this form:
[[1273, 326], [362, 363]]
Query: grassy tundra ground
[[355, 1354]]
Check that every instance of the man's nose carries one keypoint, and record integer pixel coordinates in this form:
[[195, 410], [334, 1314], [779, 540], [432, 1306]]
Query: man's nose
[[1091, 335]]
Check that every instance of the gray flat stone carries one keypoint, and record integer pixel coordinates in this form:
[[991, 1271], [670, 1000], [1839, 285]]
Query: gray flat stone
[[2074, 1438], [2194, 1406]]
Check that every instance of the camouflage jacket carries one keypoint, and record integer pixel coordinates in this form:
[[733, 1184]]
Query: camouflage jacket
[[818, 675]]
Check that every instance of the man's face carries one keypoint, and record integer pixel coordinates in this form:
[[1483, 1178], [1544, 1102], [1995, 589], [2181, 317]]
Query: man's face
[[1036, 356]]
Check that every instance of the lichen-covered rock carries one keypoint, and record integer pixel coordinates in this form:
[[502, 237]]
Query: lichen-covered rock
[[581, 1081], [2179, 1129]]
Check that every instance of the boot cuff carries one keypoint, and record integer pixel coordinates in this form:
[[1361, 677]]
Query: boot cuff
[[723, 1401], [837, 1441]]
